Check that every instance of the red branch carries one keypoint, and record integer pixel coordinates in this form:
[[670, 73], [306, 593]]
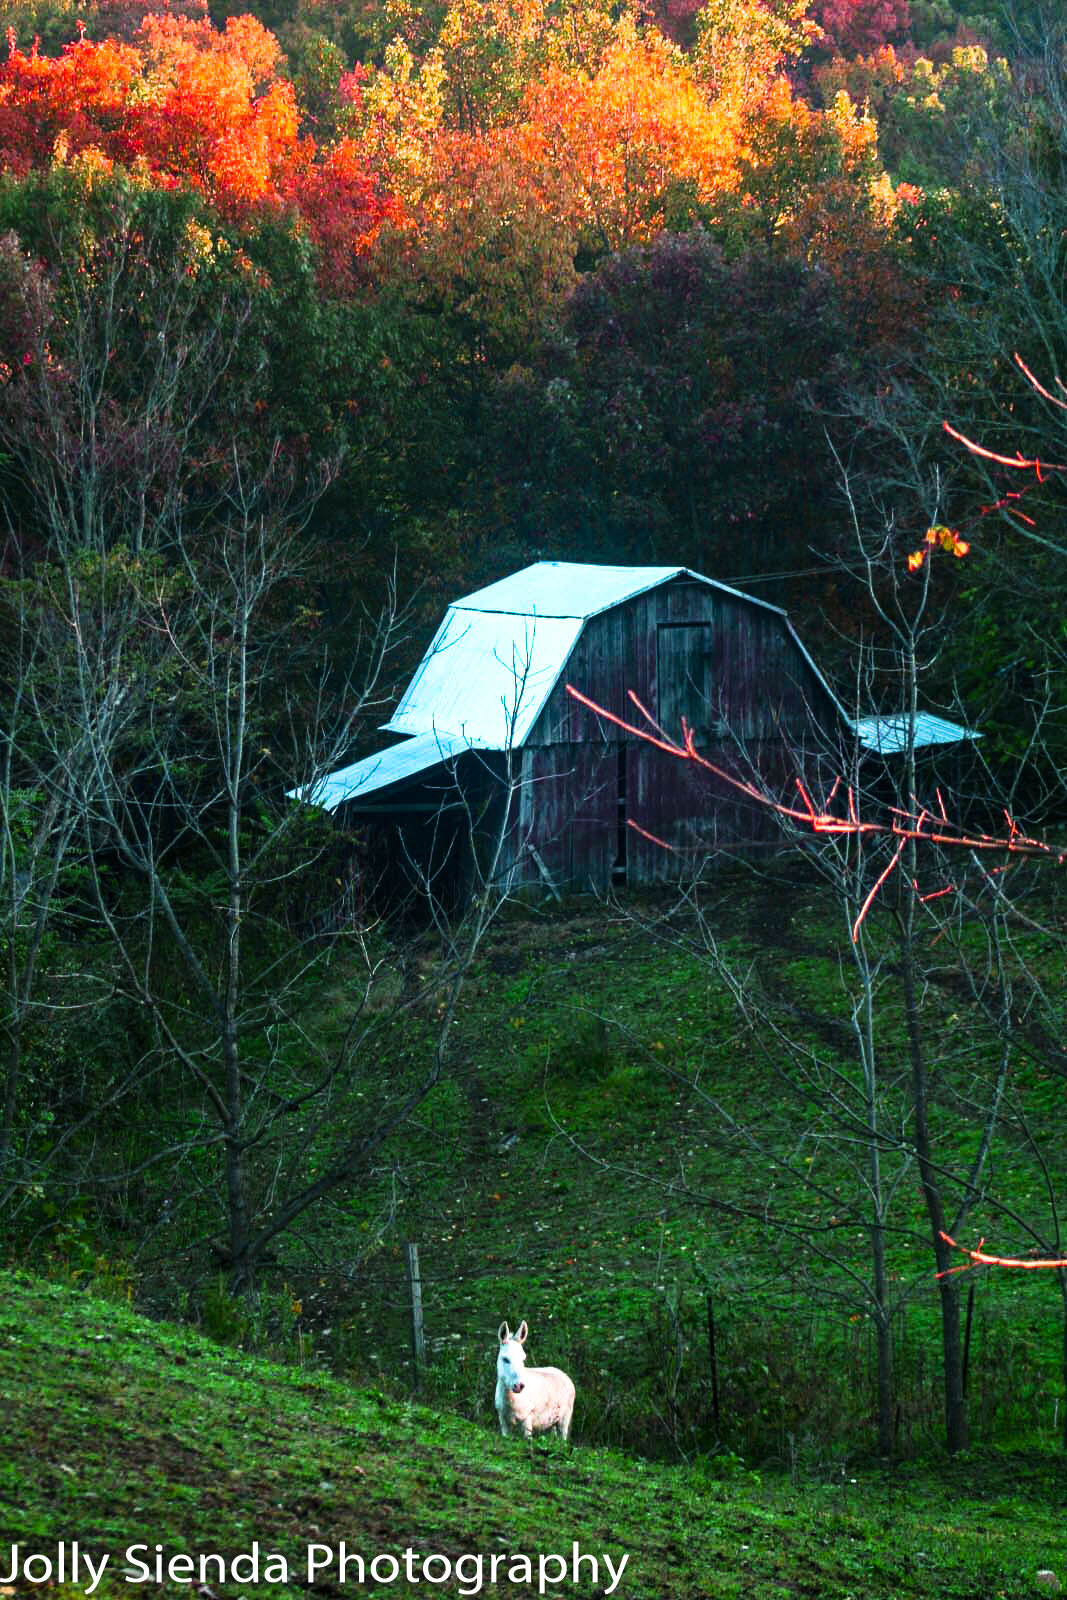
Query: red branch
[[979, 1258], [878, 882], [651, 837], [1043, 392], [918, 825], [1017, 460]]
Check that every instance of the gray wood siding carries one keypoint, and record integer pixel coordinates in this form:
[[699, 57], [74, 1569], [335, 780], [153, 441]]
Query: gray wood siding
[[685, 678], [567, 808], [760, 683], [696, 814], [763, 702]]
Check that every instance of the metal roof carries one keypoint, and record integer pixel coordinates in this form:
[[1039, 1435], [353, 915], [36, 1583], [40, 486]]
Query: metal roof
[[486, 676], [380, 770], [889, 735], [573, 589], [500, 651], [498, 654]]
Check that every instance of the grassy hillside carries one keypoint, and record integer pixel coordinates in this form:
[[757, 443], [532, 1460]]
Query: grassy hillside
[[579, 1167], [120, 1431]]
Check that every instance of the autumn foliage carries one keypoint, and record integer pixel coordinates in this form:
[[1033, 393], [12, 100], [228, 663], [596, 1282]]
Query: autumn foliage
[[856, 27], [187, 105], [622, 137], [54, 107], [517, 141]]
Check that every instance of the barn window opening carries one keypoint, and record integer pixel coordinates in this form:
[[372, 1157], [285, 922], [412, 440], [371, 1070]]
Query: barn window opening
[[618, 870]]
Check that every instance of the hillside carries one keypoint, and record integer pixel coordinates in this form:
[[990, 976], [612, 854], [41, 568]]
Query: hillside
[[593, 1164], [120, 1431]]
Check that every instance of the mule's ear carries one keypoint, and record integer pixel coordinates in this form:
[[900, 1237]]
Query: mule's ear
[[505, 1332], [523, 1331]]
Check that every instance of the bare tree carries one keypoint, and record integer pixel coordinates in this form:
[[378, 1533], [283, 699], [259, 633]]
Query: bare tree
[[165, 686]]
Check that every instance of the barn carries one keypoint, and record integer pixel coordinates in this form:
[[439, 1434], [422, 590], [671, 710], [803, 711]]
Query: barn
[[498, 775]]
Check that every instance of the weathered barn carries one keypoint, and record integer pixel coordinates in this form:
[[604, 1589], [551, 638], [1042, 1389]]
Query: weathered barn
[[500, 774]]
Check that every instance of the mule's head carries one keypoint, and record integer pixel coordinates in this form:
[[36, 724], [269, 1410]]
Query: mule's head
[[511, 1358]]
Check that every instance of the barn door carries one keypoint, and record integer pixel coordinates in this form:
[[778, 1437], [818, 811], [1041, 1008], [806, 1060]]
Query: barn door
[[684, 678]]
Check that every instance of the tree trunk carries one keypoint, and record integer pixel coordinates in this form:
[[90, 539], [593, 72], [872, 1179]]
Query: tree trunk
[[234, 729], [884, 1355], [955, 1399], [11, 1089], [1062, 1276], [863, 1021], [880, 1284]]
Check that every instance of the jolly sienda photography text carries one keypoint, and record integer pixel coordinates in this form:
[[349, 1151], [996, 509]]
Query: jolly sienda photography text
[[68, 1562]]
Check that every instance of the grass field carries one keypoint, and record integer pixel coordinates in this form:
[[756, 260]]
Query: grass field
[[120, 1432], [587, 1165]]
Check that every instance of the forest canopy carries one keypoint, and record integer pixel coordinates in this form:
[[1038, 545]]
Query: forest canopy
[[440, 196]]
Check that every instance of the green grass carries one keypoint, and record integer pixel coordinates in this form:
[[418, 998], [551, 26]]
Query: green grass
[[121, 1431]]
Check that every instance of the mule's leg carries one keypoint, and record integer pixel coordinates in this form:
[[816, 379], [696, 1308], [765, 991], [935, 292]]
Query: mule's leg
[[565, 1425]]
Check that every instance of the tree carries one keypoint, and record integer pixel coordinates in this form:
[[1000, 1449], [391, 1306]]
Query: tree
[[743, 46], [623, 136], [857, 27], [671, 417], [200, 108], [933, 117], [989, 272], [196, 819], [141, 552], [167, 683]]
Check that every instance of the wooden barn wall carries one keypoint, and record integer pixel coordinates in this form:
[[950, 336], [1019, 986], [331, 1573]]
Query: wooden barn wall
[[575, 794], [696, 813], [566, 808]]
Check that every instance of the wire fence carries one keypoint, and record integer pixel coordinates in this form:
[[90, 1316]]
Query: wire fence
[[694, 1369]]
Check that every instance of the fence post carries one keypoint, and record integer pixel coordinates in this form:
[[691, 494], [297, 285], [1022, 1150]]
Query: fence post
[[418, 1336]]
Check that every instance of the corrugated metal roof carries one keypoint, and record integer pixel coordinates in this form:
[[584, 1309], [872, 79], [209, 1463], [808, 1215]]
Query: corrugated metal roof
[[499, 652], [565, 589], [486, 676], [889, 735], [579, 589], [381, 769]]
